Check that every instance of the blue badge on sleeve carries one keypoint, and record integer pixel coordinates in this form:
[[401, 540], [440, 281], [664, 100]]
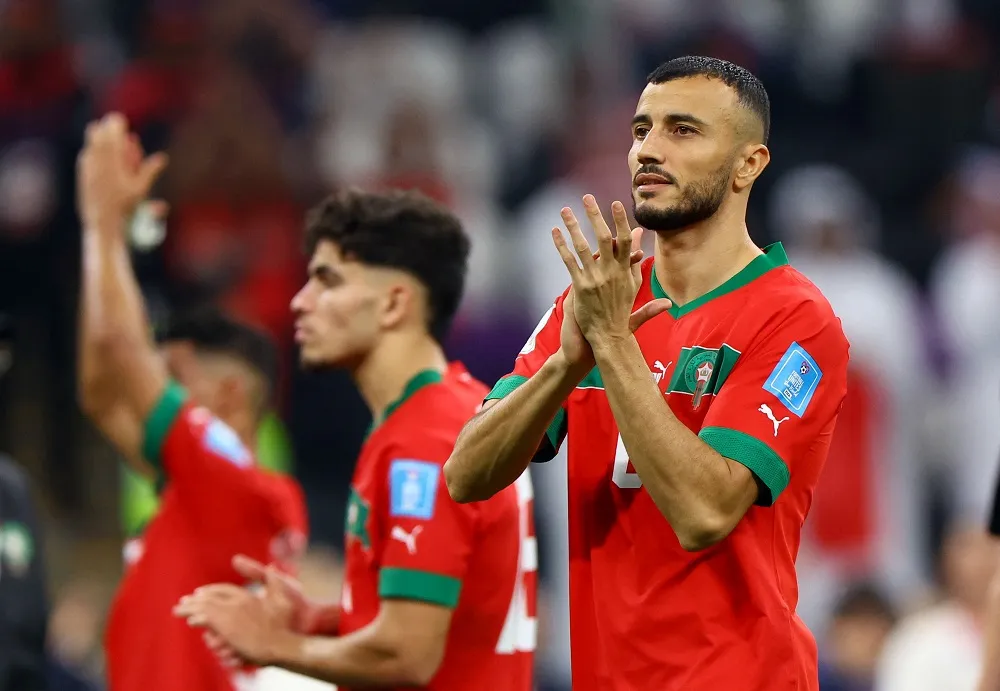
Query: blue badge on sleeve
[[794, 379], [221, 440], [413, 488]]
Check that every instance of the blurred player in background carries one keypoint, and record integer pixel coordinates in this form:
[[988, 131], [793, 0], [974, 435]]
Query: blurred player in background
[[187, 417], [436, 595], [694, 445]]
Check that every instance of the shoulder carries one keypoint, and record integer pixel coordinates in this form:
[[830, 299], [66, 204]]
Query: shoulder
[[787, 300]]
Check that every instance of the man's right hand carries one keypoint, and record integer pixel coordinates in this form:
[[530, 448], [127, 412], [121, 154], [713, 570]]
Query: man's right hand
[[574, 349]]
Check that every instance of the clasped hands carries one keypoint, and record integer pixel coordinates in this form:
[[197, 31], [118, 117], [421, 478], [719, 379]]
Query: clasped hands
[[597, 312]]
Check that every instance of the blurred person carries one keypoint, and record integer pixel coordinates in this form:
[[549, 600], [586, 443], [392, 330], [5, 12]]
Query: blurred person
[[23, 600], [941, 647], [186, 416], [695, 445], [964, 290], [436, 595], [830, 227], [849, 653], [74, 636]]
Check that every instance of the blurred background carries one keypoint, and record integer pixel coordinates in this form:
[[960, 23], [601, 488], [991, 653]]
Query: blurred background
[[884, 186]]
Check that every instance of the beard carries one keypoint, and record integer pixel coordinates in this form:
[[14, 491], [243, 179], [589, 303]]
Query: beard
[[699, 201]]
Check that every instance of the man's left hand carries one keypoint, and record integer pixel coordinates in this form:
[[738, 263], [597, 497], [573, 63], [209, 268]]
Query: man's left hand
[[605, 284], [245, 623]]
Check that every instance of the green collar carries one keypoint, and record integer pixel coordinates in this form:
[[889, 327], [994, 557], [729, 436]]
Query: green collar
[[420, 380], [773, 257]]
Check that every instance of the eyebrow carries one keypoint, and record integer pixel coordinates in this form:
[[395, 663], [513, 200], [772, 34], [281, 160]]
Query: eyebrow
[[670, 118]]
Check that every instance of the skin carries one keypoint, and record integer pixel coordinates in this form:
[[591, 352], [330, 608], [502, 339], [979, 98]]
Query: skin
[[696, 137], [373, 322]]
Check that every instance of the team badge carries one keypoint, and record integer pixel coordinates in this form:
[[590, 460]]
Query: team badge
[[795, 379], [356, 521], [699, 374], [220, 439], [413, 488]]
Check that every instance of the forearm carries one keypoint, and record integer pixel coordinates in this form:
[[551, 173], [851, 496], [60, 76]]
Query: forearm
[[689, 482], [115, 341], [361, 659], [498, 443]]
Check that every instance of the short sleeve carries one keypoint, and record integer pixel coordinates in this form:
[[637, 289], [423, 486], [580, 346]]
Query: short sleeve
[[210, 469], [543, 342], [782, 397], [428, 536]]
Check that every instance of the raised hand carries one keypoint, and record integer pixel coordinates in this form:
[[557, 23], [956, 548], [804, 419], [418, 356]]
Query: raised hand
[[605, 283], [113, 174]]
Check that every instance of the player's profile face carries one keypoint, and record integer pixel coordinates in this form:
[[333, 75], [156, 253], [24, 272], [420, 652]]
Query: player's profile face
[[682, 152], [335, 322]]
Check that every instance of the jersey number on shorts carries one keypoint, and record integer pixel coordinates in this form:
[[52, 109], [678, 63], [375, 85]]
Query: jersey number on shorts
[[621, 475], [520, 629]]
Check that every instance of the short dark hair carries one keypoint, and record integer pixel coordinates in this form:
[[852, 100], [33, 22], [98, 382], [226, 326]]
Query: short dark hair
[[402, 230], [864, 600], [210, 331], [749, 90]]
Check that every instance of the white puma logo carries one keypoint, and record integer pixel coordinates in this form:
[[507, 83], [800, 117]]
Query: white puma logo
[[766, 409], [661, 370], [407, 538]]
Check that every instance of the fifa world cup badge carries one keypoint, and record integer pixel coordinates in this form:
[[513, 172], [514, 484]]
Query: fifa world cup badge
[[703, 376]]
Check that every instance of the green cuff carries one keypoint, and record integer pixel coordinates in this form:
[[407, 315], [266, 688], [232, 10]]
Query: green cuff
[[409, 584], [554, 433], [159, 422], [751, 452]]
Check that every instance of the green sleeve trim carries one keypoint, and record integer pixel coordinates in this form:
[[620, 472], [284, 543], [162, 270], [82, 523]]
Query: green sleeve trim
[[757, 456], [505, 386], [410, 584], [554, 433], [160, 420]]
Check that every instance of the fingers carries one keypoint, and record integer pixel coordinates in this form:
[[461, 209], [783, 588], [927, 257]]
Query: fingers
[[577, 238], [567, 255], [149, 171], [250, 569], [636, 257], [624, 235], [601, 230], [647, 312]]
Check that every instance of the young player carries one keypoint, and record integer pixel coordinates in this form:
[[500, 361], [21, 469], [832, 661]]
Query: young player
[[436, 595], [694, 444], [187, 419]]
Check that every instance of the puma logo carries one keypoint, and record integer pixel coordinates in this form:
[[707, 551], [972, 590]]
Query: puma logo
[[766, 409], [407, 538]]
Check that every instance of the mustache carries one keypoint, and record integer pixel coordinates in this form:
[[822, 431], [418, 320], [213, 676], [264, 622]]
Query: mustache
[[654, 170]]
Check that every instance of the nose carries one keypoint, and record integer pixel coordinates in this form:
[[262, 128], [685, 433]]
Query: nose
[[298, 305], [649, 152]]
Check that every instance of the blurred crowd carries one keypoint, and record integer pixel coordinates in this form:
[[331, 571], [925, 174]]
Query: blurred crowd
[[883, 187]]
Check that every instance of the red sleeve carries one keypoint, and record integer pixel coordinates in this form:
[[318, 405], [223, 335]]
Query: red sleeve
[[782, 397], [215, 475], [543, 342], [428, 536]]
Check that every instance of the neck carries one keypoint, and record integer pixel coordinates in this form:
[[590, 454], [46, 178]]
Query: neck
[[695, 260], [246, 429], [382, 376]]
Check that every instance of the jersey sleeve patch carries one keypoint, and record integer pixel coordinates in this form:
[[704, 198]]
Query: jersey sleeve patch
[[413, 488], [220, 439], [795, 379]]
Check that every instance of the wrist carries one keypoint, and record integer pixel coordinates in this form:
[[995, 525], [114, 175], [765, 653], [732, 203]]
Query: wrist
[[282, 648], [567, 372], [105, 224], [604, 343]]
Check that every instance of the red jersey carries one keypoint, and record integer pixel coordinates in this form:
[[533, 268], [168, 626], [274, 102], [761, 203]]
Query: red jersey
[[407, 539], [215, 504], [757, 368]]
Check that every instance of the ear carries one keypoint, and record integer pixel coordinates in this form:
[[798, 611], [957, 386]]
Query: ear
[[752, 162], [230, 395], [398, 302]]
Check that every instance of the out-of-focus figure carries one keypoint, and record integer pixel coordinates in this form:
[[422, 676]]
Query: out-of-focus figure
[[868, 519], [965, 289], [858, 629], [941, 647]]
